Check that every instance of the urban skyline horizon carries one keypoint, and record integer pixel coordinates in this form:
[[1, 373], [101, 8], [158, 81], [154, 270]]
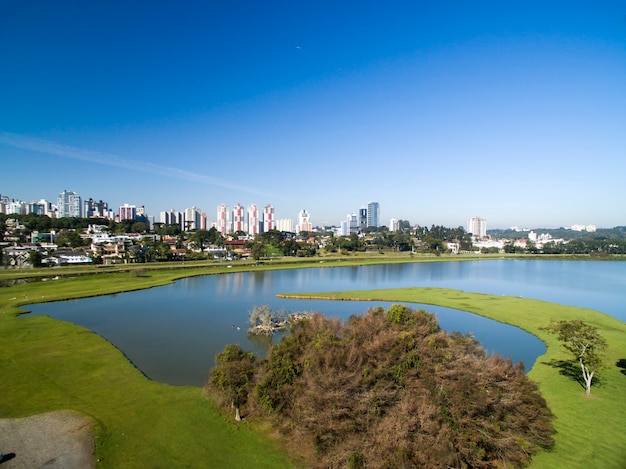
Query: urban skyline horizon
[[115, 208]]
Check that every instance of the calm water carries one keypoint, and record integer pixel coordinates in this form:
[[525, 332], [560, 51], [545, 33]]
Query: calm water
[[172, 333]]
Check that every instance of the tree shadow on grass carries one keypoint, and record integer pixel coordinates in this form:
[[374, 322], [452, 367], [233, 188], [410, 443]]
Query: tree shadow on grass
[[572, 371], [621, 363]]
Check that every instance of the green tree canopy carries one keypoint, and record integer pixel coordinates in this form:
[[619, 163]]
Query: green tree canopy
[[233, 375], [584, 344]]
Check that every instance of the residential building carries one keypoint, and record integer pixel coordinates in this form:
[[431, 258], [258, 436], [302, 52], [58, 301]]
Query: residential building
[[254, 220], [478, 227], [223, 225], [304, 222], [362, 218], [238, 219], [284, 224], [269, 220], [69, 205], [350, 225], [394, 225], [93, 209], [15, 207], [193, 219], [173, 218], [373, 214], [126, 212]]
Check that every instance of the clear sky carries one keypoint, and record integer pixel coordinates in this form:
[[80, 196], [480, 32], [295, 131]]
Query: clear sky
[[440, 111]]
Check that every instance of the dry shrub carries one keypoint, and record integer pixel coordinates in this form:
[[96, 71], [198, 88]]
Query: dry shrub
[[392, 390]]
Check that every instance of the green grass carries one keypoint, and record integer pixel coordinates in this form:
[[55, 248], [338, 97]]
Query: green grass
[[50, 365], [589, 430]]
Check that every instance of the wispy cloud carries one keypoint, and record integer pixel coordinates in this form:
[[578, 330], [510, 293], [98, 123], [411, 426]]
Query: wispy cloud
[[108, 159]]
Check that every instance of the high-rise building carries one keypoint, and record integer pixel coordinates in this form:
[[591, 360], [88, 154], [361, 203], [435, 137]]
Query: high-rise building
[[362, 218], [373, 213], [172, 218], [254, 220], [93, 209], [304, 222], [238, 219], [394, 225], [127, 212], [193, 219], [284, 224], [351, 225], [69, 205], [222, 224], [477, 226], [269, 222], [15, 207]]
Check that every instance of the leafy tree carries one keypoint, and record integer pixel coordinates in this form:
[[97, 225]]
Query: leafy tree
[[69, 238], [200, 239], [584, 344], [215, 237], [233, 375], [35, 258], [139, 227], [257, 249]]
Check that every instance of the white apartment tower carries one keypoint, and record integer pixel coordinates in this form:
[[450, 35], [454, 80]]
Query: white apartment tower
[[284, 224], [477, 226], [239, 218], [269, 221], [304, 222], [69, 205], [172, 218], [254, 220], [193, 218], [222, 219]]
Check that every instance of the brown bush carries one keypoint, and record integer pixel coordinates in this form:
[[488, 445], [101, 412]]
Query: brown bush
[[392, 390]]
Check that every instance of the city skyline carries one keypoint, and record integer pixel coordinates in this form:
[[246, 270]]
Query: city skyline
[[364, 217], [439, 113]]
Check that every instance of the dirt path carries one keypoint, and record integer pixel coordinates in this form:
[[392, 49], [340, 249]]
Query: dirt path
[[54, 440]]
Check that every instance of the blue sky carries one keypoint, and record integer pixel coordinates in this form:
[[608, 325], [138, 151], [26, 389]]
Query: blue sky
[[440, 111]]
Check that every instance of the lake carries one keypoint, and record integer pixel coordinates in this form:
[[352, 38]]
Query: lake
[[172, 333]]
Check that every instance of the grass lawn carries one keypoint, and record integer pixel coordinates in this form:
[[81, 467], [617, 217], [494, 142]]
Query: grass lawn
[[589, 430], [50, 365]]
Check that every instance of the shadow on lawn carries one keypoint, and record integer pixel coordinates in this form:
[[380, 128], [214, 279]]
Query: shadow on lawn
[[621, 363], [572, 371]]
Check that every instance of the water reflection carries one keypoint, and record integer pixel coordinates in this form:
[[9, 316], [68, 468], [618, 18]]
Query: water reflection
[[172, 333]]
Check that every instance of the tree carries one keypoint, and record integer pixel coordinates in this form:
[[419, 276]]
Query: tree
[[69, 238], [257, 250], [233, 374], [200, 238], [35, 258], [585, 345]]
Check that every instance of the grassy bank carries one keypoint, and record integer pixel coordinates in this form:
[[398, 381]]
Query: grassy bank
[[589, 429], [49, 365]]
